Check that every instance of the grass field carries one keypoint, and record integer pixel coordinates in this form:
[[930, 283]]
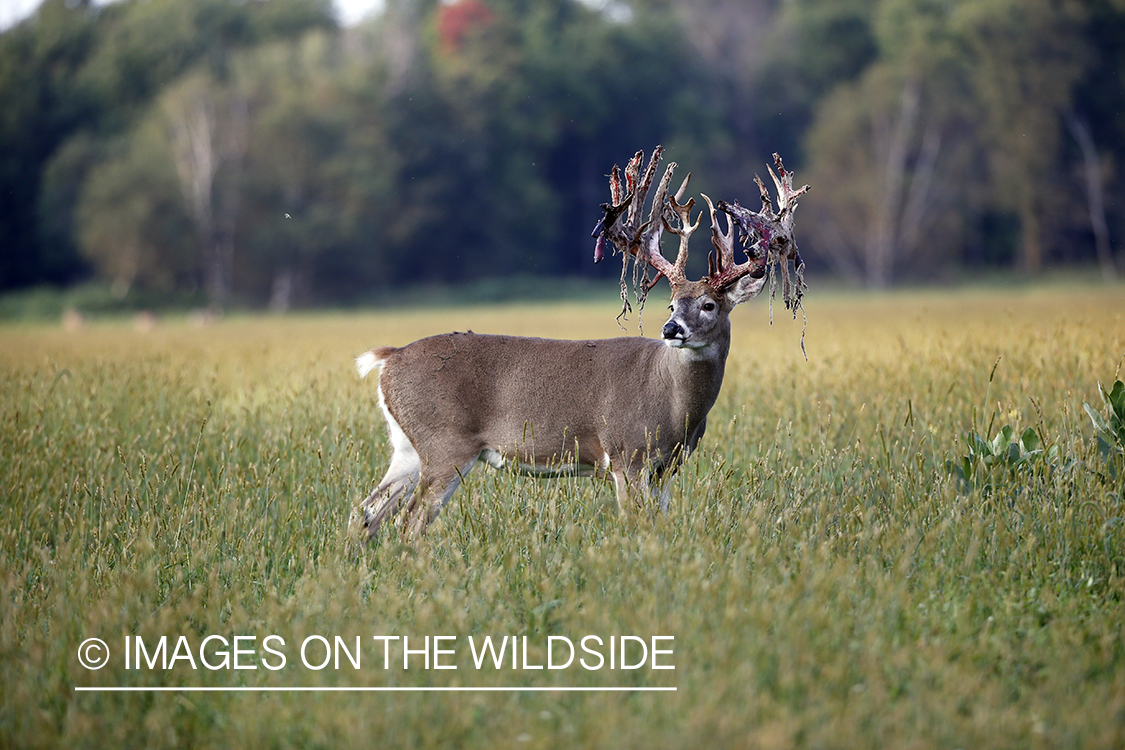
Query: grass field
[[826, 580]]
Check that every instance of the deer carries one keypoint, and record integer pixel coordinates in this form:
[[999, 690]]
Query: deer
[[627, 410]]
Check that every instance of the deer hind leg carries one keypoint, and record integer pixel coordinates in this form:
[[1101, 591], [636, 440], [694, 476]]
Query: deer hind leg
[[400, 481], [436, 487]]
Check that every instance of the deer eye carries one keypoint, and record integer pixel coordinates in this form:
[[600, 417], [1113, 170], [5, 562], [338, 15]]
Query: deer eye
[[708, 306]]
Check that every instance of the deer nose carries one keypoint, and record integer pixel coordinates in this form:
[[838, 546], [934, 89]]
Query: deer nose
[[672, 330]]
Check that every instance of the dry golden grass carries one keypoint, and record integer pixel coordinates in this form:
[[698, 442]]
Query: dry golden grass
[[827, 582]]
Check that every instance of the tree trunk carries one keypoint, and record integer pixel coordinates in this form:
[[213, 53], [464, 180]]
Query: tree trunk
[[883, 246], [218, 274], [1031, 241], [1095, 195], [282, 292]]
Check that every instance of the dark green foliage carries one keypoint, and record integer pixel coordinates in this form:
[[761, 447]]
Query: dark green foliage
[[78, 71], [1003, 459], [448, 142], [1110, 428]]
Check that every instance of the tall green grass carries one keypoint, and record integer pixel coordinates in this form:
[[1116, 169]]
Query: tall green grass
[[828, 581]]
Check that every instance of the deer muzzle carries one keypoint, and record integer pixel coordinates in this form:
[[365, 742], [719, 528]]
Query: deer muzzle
[[673, 331]]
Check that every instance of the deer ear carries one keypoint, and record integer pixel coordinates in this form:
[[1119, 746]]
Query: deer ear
[[744, 289]]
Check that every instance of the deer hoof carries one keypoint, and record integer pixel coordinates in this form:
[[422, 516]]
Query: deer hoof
[[368, 516]]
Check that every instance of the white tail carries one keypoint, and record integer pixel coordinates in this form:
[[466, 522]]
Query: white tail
[[367, 362], [628, 409]]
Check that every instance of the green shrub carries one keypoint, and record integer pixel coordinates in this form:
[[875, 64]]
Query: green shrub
[[1111, 427], [1002, 459]]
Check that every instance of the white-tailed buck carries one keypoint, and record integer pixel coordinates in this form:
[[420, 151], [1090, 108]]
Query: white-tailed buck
[[626, 408]]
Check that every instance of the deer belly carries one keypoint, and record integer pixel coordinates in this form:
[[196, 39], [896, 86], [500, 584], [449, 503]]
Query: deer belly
[[546, 469]]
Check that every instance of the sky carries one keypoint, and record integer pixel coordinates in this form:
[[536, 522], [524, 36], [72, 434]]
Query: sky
[[348, 11]]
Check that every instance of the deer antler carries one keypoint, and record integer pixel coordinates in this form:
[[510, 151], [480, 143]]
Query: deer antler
[[721, 268], [622, 225], [767, 237], [685, 227]]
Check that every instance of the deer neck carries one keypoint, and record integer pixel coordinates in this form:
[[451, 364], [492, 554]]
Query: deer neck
[[697, 374]]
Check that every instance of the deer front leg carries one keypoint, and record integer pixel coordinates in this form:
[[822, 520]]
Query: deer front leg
[[663, 492], [621, 487], [644, 487]]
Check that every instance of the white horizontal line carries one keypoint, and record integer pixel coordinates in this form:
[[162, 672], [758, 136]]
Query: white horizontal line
[[365, 689]]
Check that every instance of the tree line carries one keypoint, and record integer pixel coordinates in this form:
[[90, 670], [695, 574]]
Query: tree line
[[256, 153]]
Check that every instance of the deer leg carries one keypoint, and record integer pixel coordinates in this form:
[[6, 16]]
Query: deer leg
[[621, 488], [659, 491], [401, 480], [634, 489], [654, 489], [649, 486], [436, 489], [384, 501]]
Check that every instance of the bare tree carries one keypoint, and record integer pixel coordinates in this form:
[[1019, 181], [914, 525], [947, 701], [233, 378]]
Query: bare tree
[[906, 152], [207, 128], [1095, 192], [879, 151]]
